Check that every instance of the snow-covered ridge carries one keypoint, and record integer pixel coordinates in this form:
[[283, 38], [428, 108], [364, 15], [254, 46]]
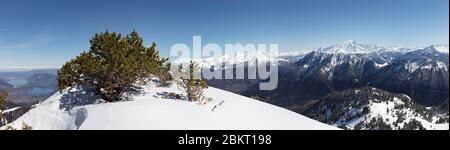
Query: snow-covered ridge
[[436, 48], [349, 47], [235, 58], [390, 114], [441, 48], [353, 47], [78, 109], [373, 109]]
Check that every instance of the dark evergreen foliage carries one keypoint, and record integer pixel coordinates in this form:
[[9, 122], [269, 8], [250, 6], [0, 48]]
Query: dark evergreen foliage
[[164, 74], [112, 64], [3, 96], [342, 107], [413, 124]]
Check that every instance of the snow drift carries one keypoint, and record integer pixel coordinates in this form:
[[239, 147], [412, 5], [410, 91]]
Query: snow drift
[[78, 108]]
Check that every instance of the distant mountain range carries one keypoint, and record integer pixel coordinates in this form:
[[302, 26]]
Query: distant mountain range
[[23, 74], [420, 73], [353, 47]]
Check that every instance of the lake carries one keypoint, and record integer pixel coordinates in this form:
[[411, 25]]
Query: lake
[[17, 82], [40, 91]]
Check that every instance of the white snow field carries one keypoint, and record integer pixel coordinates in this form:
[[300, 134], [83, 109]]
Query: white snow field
[[76, 109]]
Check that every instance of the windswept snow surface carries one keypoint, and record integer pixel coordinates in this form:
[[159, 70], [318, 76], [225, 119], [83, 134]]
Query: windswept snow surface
[[149, 110]]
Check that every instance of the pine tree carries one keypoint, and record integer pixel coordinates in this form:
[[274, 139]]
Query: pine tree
[[3, 96], [194, 87], [164, 74], [111, 65]]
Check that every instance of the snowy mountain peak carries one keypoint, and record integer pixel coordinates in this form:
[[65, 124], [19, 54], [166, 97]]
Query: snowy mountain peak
[[351, 42], [350, 47], [433, 52], [240, 58], [439, 48], [354, 47]]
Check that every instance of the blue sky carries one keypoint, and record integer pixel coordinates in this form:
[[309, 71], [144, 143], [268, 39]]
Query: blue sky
[[47, 33]]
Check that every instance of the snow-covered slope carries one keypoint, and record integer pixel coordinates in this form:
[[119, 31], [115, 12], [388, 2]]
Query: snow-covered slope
[[78, 109], [369, 108]]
